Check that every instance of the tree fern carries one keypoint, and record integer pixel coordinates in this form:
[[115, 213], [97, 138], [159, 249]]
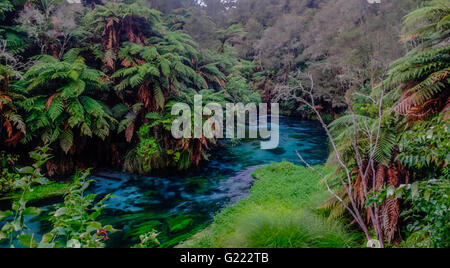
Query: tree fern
[[12, 122], [431, 23], [424, 71], [66, 140], [56, 108], [63, 102]]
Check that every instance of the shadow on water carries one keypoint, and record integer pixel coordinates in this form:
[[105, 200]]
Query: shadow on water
[[179, 205]]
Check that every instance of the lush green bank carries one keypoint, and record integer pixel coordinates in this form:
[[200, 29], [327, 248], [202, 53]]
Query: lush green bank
[[279, 213], [41, 192]]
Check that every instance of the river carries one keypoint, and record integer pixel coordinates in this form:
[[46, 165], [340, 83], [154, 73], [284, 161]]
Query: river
[[180, 205]]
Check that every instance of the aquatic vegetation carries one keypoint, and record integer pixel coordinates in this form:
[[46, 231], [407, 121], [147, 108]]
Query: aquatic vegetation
[[43, 192]]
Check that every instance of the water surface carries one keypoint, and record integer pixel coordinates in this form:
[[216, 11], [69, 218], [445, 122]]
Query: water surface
[[179, 206]]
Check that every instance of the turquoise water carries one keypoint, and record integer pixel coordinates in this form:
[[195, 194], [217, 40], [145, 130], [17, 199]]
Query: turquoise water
[[180, 205]]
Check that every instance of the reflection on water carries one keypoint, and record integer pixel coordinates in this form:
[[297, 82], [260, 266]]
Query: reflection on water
[[178, 206]]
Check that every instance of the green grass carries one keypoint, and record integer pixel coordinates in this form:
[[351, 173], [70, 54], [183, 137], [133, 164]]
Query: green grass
[[280, 213]]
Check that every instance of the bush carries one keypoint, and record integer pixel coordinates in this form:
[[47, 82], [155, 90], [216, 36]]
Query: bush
[[307, 230], [8, 172]]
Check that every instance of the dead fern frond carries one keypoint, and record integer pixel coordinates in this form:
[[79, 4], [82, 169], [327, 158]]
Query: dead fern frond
[[390, 215]]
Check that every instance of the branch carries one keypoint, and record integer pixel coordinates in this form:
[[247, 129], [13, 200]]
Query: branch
[[327, 185]]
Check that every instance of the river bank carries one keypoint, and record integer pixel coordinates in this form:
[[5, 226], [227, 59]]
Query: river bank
[[281, 212]]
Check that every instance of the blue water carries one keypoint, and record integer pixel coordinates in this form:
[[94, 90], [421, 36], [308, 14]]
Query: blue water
[[179, 205]]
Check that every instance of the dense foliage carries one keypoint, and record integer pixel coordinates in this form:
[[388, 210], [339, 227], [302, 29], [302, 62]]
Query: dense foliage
[[100, 71], [413, 150], [94, 83]]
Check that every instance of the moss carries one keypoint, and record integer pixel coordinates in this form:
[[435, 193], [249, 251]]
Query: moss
[[280, 213], [42, 192]]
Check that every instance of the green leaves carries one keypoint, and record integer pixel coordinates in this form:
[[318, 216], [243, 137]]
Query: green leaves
[[137, 80], [5, 6], [5, 214], [428, 213], [65, 86], [165, 66], [426, 144], [3, 236], [431, 23], [56, 108], [27, 241], [73, 89], [76, 111], [74, 222], [150, 53], [26, 170], [426, 68], [31, 211], [60, 212], [14, 228], [159, 97], [66, 140], [148, 240]]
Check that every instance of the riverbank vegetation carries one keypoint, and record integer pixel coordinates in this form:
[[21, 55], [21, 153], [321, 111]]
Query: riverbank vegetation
[[91, 85], [280, 213]]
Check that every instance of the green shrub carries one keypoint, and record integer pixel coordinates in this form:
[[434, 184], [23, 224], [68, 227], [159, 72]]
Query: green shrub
[[8, 172]]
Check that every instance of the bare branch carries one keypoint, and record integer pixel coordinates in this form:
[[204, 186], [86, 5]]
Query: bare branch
[[287, 92], [327, 185]]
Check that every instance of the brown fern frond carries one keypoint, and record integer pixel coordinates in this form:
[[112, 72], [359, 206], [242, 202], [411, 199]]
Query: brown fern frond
[[14, 139], [126, 63], [418, 100], [139, 61], [390, 215], [380, 177], [9, 128], [144, 95], [358, 186], [129, 132], [132, 27], [49, 101], [408, 37], [110, 39], [393, 176]]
